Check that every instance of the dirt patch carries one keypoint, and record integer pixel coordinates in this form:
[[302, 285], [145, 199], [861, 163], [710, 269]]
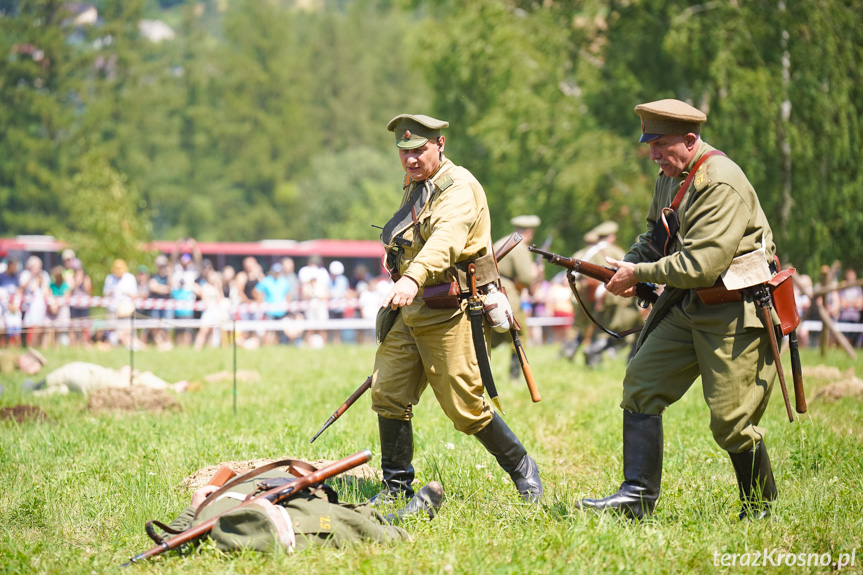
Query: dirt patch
[[22, 413], [203, 476], [839, 384], [131, 398], [244, 375]]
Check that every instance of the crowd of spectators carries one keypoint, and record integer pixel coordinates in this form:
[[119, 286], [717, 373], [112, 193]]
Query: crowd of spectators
[[314, 293]]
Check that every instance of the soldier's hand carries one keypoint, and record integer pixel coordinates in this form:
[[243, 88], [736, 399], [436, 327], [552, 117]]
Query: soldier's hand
[[402, 293], [202, 493], [623, 281]]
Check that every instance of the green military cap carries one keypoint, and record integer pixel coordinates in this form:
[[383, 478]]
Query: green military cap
[[605, 229], [526, 222], [414, 130], [668, 117]]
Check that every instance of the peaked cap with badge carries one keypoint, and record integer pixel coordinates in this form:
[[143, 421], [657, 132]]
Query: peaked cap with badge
[[414, 130], [668, 117]]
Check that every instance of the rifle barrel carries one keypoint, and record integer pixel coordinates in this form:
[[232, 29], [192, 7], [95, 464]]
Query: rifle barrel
[[643, 291], [345, 406]]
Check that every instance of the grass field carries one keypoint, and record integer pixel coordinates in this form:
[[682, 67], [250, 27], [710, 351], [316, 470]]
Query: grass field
[[76, 492]]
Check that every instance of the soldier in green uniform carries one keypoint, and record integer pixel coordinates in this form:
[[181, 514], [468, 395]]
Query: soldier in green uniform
[[442, 226], [517, 272], [613, 312], [304, 520], [721, 226]]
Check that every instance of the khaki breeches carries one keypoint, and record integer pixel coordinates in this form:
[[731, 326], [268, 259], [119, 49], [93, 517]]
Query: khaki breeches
[[440, 355], [737, 373]]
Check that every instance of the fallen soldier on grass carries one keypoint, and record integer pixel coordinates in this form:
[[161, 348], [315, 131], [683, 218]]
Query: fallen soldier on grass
[[313, 516], [82, 377]]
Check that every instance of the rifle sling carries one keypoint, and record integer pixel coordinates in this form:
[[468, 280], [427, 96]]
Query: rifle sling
[[295, 463], [571, 278]]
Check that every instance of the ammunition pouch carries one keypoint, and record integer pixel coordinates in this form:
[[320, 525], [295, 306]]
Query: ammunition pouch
[[449, 295], [443, 296], [782, 290]]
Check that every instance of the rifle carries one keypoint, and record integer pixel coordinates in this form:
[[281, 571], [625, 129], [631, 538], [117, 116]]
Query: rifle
[[765, 303], [645, 292], [505, 248], [344, 407], [275, 495], [545, 245]]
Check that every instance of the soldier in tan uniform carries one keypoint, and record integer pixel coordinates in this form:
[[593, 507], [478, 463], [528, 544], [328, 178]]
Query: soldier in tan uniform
[[518, 272], [582, 328], [721, 220], [615, 313], [442, 226]]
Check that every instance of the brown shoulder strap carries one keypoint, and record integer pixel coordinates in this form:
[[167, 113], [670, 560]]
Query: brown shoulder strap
[[295, 467], [679, 197]]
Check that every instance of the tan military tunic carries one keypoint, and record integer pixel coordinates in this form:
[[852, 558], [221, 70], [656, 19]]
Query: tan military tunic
[[726, 344], [432, 346]]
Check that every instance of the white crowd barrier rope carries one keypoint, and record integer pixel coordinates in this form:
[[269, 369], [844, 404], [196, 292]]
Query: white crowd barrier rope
[[251, 316]]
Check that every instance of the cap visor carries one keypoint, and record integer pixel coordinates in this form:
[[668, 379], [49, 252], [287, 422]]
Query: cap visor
[[648, 137], [411, 144]]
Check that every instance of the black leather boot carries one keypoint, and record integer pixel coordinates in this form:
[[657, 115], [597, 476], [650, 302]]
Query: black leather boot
[[570, 348], [593, 352], [514, 366], [427, 500], [397, 452], [755, 481], [642, 468], [500, 441]]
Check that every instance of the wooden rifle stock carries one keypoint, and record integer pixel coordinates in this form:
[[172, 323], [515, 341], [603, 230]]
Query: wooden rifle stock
[[643, 291], [274, 495], [525, 365], [344, 407], [797, 374]]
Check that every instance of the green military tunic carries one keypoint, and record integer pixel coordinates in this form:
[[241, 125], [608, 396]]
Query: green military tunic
[[726, 344], [433, 346], [516, 266], [315, 521]]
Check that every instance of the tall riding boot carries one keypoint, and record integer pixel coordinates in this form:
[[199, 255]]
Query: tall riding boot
[[397, 452], [514, 366], [755, 481], [593, 352], [570, 347], [500, 441], [642, 468]]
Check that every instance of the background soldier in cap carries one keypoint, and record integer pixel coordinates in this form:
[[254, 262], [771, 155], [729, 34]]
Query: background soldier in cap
[[442, 226], [720, 220], [518, 272], [615, 313], [581, 324]]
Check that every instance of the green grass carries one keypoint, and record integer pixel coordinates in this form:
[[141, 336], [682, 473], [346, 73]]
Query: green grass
[[75, 493]]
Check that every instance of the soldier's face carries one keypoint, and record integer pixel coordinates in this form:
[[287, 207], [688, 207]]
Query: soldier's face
[[672, 153], [421, 163]]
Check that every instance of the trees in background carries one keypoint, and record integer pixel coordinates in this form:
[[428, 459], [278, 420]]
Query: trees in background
[[265, 119]]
